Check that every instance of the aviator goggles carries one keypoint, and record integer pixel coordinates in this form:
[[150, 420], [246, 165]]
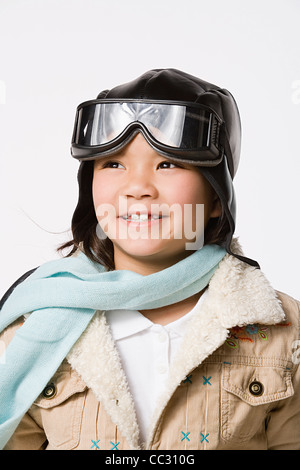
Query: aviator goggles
[[189, 132]]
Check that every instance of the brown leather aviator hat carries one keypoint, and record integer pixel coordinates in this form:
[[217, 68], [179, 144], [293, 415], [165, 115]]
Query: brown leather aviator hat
[[181, 116]]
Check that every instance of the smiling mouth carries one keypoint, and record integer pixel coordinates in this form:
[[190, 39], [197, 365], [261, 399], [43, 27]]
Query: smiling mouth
[[141, 218]]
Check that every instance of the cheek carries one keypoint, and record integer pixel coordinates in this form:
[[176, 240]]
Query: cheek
[[100, 191], [104, 207], [194, 190]]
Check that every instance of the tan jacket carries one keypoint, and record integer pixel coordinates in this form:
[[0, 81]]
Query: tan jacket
[[235, 383]]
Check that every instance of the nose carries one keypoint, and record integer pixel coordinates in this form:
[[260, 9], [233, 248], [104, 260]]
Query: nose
[[139, 179], [139, 184]]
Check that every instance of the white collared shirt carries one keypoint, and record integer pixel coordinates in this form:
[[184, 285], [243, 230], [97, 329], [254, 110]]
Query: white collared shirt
[[146, 351]]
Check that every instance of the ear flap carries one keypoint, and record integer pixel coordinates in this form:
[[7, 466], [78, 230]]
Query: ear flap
[[220, 179]]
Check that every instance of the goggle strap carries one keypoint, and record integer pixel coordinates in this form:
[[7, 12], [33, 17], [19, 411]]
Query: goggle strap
[[224, 141]]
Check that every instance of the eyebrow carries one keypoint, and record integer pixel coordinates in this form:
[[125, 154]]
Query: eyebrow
[[121, 154]]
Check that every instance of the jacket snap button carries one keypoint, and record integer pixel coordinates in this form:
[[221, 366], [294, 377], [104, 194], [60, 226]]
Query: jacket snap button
[[49, 391], [256, 388]]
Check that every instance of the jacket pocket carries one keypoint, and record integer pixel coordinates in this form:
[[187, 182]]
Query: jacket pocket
[[61, 407], [248, 393]]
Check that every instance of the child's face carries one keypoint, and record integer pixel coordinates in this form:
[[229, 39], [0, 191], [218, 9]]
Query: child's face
[[138, 180]]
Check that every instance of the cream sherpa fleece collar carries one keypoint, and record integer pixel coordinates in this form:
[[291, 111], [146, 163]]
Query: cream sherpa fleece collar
[[238, 294]]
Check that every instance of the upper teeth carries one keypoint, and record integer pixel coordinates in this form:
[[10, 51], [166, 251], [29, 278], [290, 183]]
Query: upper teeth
[[140, 216]]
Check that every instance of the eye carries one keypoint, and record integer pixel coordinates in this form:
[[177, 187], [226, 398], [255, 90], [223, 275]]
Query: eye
[[166, 164], [111, 164]]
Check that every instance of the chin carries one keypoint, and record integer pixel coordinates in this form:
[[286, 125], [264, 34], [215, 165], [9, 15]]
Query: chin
[[154, 250]]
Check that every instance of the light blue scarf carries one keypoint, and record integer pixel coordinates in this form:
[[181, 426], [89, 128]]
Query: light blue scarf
[[63, 295]]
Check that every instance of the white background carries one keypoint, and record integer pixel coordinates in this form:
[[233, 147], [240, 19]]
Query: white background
[[55, 54]]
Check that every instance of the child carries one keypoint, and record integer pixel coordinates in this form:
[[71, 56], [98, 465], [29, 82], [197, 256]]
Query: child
[[155, 332]]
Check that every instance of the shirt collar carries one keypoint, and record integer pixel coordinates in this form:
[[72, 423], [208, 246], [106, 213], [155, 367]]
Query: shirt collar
[[125, 323]]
